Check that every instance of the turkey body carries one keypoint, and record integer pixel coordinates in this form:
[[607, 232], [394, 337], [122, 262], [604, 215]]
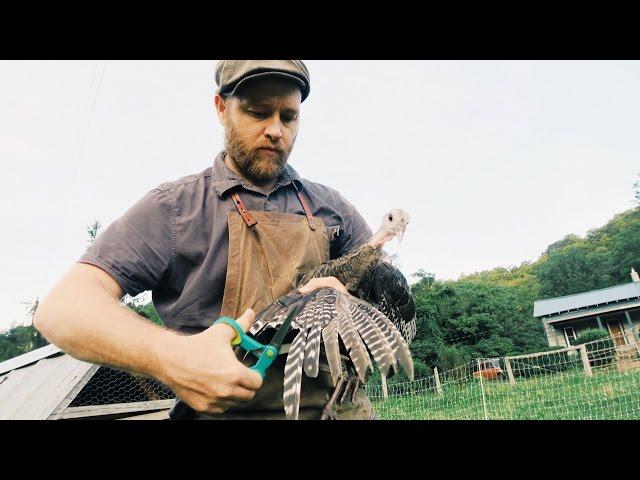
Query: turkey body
[[371, 324]]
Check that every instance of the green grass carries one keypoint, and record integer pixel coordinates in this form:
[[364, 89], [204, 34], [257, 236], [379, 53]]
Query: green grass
[[564, 395]]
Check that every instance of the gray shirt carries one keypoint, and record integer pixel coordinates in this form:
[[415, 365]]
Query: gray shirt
[[174, 241]]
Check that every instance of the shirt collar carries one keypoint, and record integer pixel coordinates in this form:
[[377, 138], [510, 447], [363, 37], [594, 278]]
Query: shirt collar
[[223, 178]]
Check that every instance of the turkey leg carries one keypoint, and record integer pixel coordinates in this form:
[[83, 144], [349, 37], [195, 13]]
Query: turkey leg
[[344, 386]]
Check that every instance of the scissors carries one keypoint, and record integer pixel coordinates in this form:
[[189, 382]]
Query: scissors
[[266, 353]]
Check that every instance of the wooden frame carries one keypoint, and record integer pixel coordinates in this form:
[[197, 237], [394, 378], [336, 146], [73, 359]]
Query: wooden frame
[[566, 337], [112, 409]]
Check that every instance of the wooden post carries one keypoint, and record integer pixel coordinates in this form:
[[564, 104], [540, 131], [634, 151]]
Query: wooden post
[[585, 361], [633, 331], [484, 401], [507, 364], [385, 392], [436, 376]]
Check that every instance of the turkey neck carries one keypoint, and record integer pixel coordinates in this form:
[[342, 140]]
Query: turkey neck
[[350, 268]]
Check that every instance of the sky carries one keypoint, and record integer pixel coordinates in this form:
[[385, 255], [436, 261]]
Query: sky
[[494, 160]]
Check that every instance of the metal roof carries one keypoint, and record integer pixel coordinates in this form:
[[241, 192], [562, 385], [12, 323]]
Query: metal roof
[[584, 300]]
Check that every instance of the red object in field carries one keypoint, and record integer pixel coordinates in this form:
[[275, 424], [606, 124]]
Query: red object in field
[[488, 371]]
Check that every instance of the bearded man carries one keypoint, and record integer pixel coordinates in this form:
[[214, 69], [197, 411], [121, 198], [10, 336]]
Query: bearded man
[[227, 241]]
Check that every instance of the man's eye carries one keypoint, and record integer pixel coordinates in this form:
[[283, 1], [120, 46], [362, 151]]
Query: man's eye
[[258, 113], [289, 118]]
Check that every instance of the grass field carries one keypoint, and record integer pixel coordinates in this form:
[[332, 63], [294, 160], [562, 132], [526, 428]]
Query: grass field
[[608, 394]]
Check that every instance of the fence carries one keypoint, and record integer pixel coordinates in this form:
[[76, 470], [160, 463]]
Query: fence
[[597, 380]]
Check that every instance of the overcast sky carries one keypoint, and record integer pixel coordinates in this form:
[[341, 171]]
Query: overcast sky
[[494, 160]]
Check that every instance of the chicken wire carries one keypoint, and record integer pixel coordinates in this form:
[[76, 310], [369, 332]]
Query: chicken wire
[[110, 386]]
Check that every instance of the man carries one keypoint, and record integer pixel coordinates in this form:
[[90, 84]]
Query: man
[[227, 241]]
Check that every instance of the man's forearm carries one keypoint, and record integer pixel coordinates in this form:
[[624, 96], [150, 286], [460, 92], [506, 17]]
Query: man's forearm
[[82, 318]]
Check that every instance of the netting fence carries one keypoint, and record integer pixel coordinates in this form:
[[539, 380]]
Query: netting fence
[[597, 380]]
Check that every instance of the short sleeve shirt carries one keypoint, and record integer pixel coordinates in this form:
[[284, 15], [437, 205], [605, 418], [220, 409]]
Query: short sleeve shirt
[[174, 241]]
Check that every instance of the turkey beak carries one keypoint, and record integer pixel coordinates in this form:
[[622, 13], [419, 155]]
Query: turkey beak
[[399, 231]]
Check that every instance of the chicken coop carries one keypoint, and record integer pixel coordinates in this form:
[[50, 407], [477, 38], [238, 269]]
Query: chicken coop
[[48, 384]]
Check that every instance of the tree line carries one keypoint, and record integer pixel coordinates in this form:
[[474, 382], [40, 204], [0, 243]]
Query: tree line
[[490, 313]]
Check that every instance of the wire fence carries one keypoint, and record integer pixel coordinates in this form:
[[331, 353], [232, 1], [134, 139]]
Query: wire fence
[[113, 386], [597, 380]]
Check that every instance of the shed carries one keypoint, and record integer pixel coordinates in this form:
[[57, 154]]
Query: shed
[[615, 309], [48, 384]]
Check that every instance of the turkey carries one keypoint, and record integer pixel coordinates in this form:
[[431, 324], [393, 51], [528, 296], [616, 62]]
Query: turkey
[[375, 318]]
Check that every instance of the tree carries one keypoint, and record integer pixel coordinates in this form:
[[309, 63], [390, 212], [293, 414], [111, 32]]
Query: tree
[[22, 338], [145, 310], [93, 230], [636, 191], [424, 277], [603, 258]]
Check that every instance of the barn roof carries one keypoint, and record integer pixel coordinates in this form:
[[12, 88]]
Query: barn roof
[[603, 296]]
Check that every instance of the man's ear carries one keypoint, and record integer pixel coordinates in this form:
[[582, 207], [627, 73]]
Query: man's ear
[[221, 107]]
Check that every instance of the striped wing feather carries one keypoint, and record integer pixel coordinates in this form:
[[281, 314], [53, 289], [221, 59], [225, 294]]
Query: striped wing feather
[[332, 350], [293, 376], [352, 340]]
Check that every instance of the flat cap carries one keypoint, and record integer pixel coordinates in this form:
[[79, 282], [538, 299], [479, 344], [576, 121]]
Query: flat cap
[[232, 73]]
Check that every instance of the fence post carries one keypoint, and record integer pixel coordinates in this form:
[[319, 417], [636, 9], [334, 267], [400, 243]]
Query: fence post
[[436, 376], [585, 361], [484, 400], [507, 364], [385, 393]]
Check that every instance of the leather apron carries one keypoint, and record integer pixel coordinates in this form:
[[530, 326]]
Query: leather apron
[[267, 250]]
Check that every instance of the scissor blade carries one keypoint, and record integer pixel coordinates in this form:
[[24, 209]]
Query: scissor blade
[[278, 338]]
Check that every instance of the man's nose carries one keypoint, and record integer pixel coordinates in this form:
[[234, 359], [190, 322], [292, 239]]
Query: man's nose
[[273, 129]]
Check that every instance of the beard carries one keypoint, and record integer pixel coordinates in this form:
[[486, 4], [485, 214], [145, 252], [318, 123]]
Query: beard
[[250, 162]]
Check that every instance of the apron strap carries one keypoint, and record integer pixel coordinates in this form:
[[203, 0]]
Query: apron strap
[[305, 207], [251, 221], [242, 210]]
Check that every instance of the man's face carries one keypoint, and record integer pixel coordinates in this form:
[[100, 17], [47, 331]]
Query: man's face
[[261, 124]]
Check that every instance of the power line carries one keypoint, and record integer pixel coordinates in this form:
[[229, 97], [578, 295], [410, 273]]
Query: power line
[[89, 117]]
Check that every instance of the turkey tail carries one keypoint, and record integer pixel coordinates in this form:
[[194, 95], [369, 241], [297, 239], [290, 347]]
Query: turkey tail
[[293, 376]]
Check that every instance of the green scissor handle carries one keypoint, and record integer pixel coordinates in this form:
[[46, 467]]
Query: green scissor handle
[[265, 359]]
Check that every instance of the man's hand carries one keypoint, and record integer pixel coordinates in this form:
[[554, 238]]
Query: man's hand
[[316, 283], [205, 373]]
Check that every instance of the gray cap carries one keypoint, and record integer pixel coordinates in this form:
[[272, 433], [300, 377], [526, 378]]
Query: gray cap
[[232, 73]]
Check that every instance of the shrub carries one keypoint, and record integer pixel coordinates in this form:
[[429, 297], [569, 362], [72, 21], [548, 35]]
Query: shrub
[[590, 335], [453, 363], [600, 346], [450, 357]]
